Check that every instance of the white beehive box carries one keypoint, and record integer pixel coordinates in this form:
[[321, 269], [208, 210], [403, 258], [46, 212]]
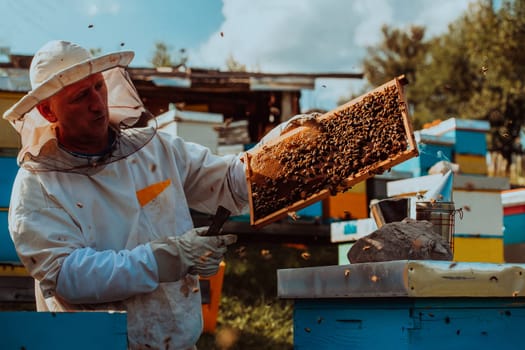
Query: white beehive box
[[198, 127], [351, 230], [478, 197]]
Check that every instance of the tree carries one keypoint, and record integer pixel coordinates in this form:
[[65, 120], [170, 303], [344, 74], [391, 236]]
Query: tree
[[162, 57], [476, 71], [400, 52], [234, 66], [95, 51]]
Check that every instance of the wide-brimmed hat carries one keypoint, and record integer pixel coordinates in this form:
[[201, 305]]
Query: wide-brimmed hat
[[59, 64]]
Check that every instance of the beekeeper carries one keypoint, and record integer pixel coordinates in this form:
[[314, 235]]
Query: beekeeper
[[100, 210]]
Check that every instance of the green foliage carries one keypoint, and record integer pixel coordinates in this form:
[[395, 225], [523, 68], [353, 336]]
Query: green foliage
[[163, 56], [399, 53], [95, 51], [454, 81], [474, 71], [251, 315], [233, 65]]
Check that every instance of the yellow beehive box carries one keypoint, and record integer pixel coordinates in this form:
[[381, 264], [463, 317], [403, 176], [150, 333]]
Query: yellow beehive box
[[358, 188], [471, 164], [478, 249], [9, 138]]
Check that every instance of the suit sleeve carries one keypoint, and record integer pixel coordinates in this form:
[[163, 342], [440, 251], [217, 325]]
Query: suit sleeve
[[53, 249]]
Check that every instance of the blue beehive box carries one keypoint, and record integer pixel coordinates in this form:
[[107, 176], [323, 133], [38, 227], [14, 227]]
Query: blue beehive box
[[312, 211], [432, 149], [514, 224], [471, 142], [444, 142], [240, 218], [63, 330], [7, 176], [468, 136], [432, 153], [248, 146], [411, 166], [7, 248], [404, 304]]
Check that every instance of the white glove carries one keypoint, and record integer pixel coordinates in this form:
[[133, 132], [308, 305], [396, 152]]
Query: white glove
[[190, 253]]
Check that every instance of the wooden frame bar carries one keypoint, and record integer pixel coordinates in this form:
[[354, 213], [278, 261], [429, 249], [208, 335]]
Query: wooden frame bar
[[261, 164]]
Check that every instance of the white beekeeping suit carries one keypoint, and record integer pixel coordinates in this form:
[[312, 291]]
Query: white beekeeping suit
[[83, 225]]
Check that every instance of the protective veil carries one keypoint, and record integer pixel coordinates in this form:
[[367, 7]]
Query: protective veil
[[82, 224], [41, 152]]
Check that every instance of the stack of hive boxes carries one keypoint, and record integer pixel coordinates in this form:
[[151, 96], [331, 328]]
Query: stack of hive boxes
[[469, 138], [459, 141], [479, 235], [15, 283]]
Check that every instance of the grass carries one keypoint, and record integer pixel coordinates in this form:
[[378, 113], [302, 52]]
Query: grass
[[251, 316]]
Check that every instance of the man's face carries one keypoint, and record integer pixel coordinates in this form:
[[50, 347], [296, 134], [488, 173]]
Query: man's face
[[81, 114]]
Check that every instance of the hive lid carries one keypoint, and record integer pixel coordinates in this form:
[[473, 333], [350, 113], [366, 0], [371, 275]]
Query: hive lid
[[403, 278], [442, 190]]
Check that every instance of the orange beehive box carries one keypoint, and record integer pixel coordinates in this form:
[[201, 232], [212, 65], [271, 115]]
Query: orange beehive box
[[329, 154], [210, 307], [346, 206], [351, 204]]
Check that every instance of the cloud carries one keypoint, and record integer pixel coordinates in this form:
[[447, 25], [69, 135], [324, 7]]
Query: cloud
[[315, 35], [94, 8], [302, 35]]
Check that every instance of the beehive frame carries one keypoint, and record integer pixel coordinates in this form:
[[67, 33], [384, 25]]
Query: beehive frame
[[275, 180]]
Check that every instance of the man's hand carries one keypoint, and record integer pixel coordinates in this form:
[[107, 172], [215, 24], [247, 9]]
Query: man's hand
[[190, 253]]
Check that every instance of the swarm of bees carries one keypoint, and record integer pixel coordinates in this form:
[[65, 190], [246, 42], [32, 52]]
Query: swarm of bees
[[337, 147]]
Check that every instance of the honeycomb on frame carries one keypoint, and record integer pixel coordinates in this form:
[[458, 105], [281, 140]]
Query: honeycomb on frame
[[329, 153]]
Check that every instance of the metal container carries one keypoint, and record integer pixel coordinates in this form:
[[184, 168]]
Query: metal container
[[389, 210], [442, 217]]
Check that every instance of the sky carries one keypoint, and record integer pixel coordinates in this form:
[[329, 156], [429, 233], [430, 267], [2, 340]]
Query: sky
[[270, 36]]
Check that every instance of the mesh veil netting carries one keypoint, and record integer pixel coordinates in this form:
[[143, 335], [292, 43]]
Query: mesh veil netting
[[40, 150]]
